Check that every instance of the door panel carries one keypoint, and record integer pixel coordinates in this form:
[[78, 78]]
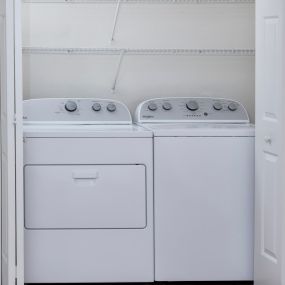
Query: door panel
[[85, 196], [10, 141], [270, 142], [269, 201], [204, 208], [7, 146]]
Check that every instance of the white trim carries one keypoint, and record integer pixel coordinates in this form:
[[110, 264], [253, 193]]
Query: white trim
[[8, 255], [175, 2], [19, 142], [159, 122], [74, 123]]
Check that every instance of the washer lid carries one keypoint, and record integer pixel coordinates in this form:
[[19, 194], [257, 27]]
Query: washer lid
[[72, 111], [86, 131], [201, 130]]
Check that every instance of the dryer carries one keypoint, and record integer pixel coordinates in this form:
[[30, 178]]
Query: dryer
[[88, 193], [203, 188]]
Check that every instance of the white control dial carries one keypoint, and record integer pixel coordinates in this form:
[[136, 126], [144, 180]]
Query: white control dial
[[167, 106], [192, 106], [152, 107], [96, 107], [70, 106], [218, 106], [232, 106], [111, 107]]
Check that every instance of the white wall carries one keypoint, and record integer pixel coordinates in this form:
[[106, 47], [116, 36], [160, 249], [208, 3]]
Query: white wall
[[141, 25]]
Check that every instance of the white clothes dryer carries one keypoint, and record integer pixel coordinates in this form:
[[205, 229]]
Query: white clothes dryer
[[203, 188], [88, 193]]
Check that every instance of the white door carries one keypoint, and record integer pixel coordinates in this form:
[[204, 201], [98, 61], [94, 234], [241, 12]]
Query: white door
[[11, 144], [270, 143]]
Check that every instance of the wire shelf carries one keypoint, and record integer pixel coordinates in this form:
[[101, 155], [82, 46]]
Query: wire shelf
[[143, 1], [155, 52]]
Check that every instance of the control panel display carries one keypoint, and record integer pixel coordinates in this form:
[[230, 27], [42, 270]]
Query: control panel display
[[72, 111], [192, 109]]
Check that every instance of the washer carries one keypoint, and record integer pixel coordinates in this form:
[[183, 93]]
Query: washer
[[204, 188], [88, 193]]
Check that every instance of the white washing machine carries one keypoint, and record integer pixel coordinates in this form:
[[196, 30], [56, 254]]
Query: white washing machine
[[203, 188], [88, 193]]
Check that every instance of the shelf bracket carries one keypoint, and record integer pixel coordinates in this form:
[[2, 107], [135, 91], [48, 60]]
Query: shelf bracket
[[118, 69], [116, 20]]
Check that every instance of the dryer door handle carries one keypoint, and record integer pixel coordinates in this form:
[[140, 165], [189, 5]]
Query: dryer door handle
[[85, 174]]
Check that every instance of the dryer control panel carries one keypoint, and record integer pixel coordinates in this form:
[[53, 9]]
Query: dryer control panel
[[191, 109], [75, 111]]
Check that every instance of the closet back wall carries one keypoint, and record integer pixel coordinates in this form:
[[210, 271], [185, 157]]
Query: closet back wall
[[68, 50]]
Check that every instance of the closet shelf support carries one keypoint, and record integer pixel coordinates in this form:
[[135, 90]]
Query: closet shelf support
[[118, 69], [115, 20]]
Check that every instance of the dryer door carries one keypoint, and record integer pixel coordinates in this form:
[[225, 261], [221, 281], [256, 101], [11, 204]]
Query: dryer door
[[85, 196]]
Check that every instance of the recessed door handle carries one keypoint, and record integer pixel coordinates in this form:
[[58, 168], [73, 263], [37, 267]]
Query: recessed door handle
[[85, 174]]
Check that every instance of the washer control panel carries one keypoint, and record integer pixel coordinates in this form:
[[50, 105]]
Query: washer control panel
[[75, 111], [191, 109]]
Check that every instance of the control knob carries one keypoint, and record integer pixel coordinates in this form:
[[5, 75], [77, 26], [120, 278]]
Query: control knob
[[192, 106], [218, 106], [167, 106], [232, 107], [96, 107], [111, 107], [152, 107], [70, 106]]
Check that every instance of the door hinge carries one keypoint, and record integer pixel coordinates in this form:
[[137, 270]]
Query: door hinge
[[16, 279], [15, 120]]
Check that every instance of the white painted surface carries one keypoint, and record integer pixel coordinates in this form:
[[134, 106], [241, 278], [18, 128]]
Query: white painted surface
[[92, 255], [11, 146], [19, 141], [270, 141], [201, 130], [52, 111], [204, 191], [179, 111], [85, 196], [88, 201], [99, 131], [139, 25]]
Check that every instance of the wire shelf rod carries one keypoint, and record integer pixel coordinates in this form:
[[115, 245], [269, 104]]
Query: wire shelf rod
[[156, 52], [143, 1]]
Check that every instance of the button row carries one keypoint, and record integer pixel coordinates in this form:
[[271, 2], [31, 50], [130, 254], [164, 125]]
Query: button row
[[71, 106], [166, 106], [193, 106]]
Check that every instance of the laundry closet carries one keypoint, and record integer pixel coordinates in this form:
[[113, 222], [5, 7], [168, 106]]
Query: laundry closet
[[137, 50], [123, 52]]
